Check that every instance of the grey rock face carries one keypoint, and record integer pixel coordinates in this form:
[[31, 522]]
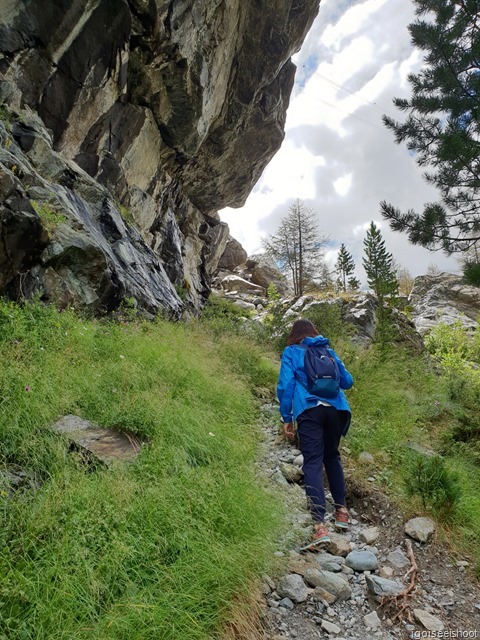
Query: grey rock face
[[173, 110], [443, 298]]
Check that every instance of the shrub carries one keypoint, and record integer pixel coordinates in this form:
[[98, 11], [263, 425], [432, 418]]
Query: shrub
[[471, 272], [431, 479]]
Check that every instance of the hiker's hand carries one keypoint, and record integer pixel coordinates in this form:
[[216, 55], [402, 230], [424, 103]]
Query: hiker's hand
[[288, 430]]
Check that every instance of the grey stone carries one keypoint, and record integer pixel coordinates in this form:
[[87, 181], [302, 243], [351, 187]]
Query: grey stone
[[334, 583], [233, 256], [398, 559], [327, 562], [443, 298], [421, 529], [286, 603], [291, 472], [426, 619], [372, 620], [366, 457], [369, 535], [105, 445], [161, 119], [330, 627], [383, 587], [292, 586], [361, 561]]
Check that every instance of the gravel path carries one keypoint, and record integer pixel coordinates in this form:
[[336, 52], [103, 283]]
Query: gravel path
[[348, 590]]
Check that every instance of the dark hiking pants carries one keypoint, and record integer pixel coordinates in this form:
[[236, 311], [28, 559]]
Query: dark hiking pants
[[319, 432]]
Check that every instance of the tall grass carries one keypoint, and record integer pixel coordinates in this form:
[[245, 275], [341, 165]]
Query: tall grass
[[399, 398], [159, 548]]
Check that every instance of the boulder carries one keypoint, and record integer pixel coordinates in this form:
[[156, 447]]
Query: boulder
[[240, 285], [233, 255], [264, 271]]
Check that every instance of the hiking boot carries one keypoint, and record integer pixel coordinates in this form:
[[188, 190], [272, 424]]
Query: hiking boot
[[341, 518], [320, 537]]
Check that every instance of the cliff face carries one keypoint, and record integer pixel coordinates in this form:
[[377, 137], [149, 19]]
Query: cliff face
[[124, 126]]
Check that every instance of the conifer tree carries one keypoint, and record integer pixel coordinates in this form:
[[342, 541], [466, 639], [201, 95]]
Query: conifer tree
[[353, 284], [297, 246], [379, 265], [442, 126], [344, 267]]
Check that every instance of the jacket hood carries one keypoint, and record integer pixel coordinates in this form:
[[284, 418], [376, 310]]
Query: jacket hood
[[320, 341]]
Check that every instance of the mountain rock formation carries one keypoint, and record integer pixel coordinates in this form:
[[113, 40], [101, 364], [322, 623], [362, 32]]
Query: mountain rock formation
[[124, 126]]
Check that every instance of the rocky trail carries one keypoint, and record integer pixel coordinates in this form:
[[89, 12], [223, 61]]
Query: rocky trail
[[353, 588]]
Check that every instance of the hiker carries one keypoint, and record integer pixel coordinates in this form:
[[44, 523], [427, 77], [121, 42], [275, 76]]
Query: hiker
[[322, 414]]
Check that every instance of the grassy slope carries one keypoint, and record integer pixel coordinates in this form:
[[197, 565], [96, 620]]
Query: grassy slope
[[158, 548], [399, 397], [161, 548]]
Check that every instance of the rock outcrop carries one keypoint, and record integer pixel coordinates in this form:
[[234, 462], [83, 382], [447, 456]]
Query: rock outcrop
[[443, 298], [128, 124]]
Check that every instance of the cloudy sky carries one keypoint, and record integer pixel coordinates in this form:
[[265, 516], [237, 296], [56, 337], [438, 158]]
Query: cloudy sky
[[337, 155]]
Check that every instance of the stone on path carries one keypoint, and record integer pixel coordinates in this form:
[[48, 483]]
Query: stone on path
[[322, 594], [398, 559], [420, 529], [292, 586], [334, 583], [369, 535], [291, 472], [383, 587], [329, 627], [361, 561], [327, 562], [106, 445], [386, 572], [339, 545], [431, 623], [372, 620]]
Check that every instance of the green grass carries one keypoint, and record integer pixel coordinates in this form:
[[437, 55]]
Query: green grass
[[162, 547], [402, 397]]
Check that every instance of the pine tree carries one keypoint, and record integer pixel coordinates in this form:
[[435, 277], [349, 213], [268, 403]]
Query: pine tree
[[379, 265], [443, 125], [297, 246], [353, 284], [344, 267]]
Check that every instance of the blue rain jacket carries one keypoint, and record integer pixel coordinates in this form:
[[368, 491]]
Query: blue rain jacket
[[294, 398]]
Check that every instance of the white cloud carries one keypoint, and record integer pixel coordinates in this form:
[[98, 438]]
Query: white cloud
[[337, 155], [342, 185]]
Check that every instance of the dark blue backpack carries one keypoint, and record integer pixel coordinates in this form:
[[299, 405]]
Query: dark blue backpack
[[322, 372]]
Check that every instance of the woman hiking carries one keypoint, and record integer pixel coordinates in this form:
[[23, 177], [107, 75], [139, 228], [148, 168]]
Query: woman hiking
[[316, 401]]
